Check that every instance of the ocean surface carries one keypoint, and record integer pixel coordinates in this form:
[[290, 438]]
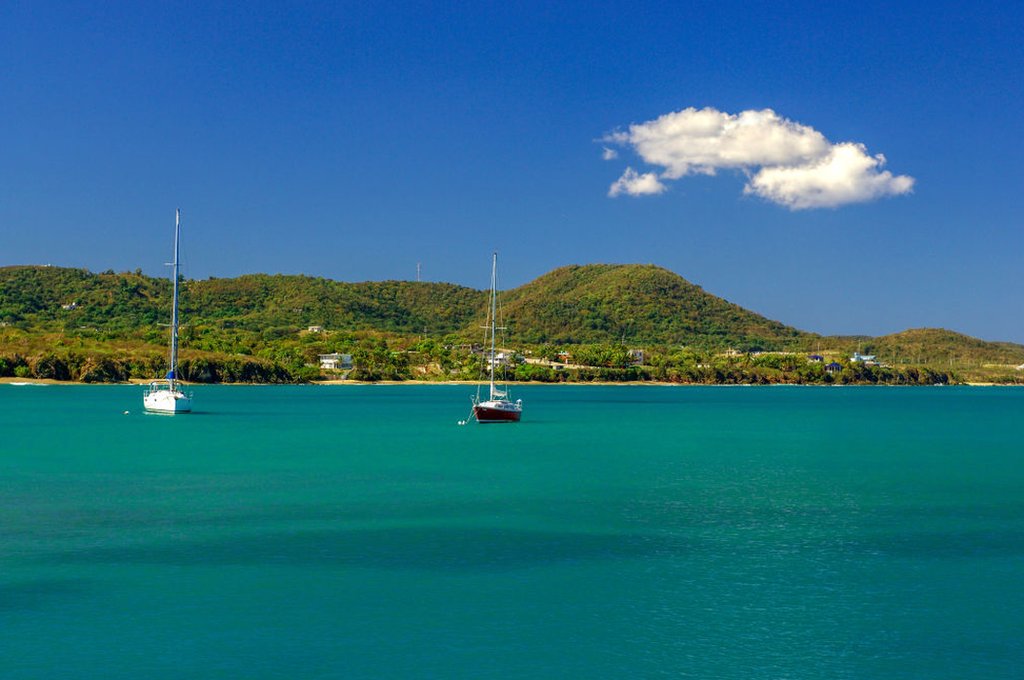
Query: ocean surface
[[617, 532]]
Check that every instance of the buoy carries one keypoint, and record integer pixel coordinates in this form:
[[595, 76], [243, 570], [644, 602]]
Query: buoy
[[126, 412]]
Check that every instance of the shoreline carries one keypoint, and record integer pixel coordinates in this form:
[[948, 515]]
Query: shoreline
[[330, 383]]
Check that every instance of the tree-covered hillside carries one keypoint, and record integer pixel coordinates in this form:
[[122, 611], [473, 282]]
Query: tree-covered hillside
[[571, 305], [44, 296], [129, 301], [262, 301], [71, 324], [939, 346], [636, 304]]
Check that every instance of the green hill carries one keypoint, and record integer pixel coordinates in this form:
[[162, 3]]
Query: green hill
[[51, 297], [571, 305], [603, 303], [74, 323], [261, 301], [42, 296], [939, 346]]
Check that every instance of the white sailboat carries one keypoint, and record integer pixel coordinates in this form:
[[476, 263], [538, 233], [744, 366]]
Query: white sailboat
[[497, 408], [165, 396]]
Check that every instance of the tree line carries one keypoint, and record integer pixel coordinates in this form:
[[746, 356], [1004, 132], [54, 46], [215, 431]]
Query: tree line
[[396, 358]]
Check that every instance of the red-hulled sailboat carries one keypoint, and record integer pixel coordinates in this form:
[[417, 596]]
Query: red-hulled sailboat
[[497, 408]]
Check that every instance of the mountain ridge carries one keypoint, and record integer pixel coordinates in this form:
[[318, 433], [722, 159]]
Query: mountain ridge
[[639, 302], [573, 304]]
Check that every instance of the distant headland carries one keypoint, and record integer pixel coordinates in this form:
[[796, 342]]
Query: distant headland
[[580, 323]]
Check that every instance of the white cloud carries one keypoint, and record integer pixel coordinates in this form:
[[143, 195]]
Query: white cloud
[[846, 175], [609, 154], [701, 141], [635, 184], [792, 164]]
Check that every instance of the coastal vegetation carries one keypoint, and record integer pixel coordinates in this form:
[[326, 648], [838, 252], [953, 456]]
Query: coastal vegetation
[[574, 324]]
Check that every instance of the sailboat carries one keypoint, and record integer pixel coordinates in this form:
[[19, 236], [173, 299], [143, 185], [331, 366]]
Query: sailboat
[[165, 396], [497, 408]]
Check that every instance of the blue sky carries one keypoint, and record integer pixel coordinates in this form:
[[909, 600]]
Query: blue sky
[[353, 140]]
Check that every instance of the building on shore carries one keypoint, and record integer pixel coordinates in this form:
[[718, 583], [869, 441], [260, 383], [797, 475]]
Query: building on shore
[[335, 362]]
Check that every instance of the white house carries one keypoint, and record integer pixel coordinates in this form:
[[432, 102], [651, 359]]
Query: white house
[[335, 362], [500, 359]]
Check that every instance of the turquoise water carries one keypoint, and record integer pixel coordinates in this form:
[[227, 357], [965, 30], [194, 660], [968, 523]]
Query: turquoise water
[[346, 532]]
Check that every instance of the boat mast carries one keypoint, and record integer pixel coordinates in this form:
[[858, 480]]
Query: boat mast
[[494, 312], [172, 375]]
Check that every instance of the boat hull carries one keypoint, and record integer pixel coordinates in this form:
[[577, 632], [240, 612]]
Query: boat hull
[[497, 412], [167, 401]]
